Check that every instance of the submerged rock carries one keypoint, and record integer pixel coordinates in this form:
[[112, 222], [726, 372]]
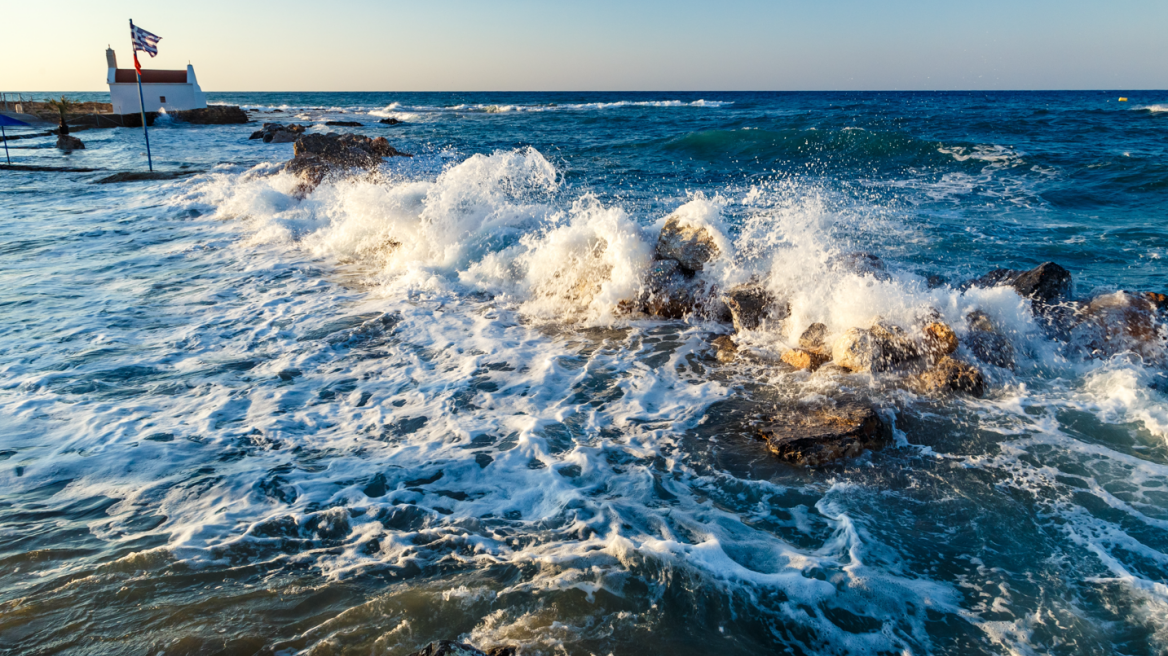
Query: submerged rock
[[1046, 283], [751, 304], [727, 350], [820, 434], [67, 143], [389, 121], [691, 246], [952, 375], [344, 124], [212, 115], [451, 648]]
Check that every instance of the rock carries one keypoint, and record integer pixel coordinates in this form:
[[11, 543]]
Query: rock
[[1123, 321], [212, 115], [1046, 283], [727, 349], [856, 350], [389, 121], [814, 340], [751, 304], [939, 338], [803, 359], [816, 435], [951, 375], [344, 124], [281, 136], [669, 294], [985, 342], [934, 281], [451, 648], [316, 156], [288, 133], [67, 143], [691, 246], [861, 263], [896, 348]]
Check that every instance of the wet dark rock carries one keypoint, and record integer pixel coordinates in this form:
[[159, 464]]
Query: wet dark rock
[[316, 156], [804, 359], [857, 351], [986, 343], [952, 375], [212, 115], [815, 435], [1123, 321], [751, 304], [389, 121], [138, 176], [451, 648], [278, 132], [897, 349], [691, 246], [814, 340], [67, 143], [727, 350], [669, 292], [1046, 283], [344, 124], [376, 487], [861, 263], [935, 281]]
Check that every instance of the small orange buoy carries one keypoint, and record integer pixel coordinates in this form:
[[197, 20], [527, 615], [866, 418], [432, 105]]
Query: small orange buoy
[[1123, 100]]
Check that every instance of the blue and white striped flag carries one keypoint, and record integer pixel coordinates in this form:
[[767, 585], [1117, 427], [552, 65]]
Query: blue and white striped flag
[[144, 41]]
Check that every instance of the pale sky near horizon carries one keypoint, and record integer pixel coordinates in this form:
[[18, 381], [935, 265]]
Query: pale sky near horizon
[[651, 45]]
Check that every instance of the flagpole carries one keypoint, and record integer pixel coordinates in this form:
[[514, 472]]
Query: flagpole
[[141, 100]]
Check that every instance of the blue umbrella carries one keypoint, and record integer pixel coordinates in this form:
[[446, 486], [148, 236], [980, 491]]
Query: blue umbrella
[[8, 120]]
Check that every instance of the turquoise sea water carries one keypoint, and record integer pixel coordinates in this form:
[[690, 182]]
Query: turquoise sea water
[[234, 421]]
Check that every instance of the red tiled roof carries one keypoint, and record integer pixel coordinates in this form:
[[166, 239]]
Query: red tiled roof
[[150, 77]]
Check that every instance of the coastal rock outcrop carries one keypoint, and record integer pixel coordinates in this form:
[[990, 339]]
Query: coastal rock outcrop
[[389, 121], [751, 304], [1047, 283], [691, 246], [212, 115], [986, 342], [819, 434], [726, 349], [316, 156]]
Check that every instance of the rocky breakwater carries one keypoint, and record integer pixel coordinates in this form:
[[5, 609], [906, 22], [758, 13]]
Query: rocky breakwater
[[320, 156]]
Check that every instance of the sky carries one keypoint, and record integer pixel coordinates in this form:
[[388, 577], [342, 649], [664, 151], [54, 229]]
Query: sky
[[549, 45]]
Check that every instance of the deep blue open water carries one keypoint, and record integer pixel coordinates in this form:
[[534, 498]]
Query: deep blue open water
[[407, 408]]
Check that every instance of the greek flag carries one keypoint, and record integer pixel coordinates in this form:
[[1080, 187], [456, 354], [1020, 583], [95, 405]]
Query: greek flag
[[144, 41]]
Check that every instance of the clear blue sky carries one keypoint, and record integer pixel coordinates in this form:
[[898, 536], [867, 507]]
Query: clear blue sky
[[366, 45]]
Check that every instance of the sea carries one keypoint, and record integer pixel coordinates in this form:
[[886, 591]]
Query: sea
[[408, 406]]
